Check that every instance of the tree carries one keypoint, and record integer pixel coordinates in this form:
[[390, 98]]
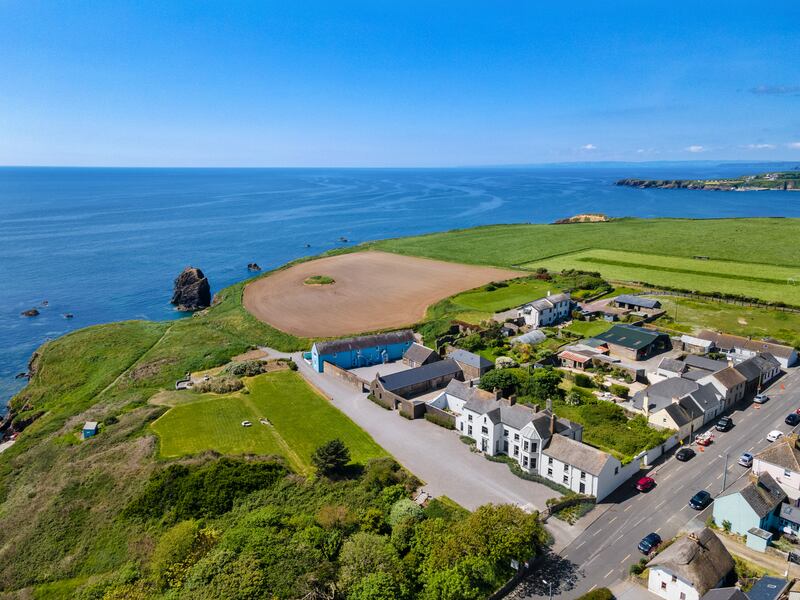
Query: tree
[[364, 553], [375, 586], [574, 398], [404, 509], [471, 342], [331, 457], [506, 380], [543, 384]]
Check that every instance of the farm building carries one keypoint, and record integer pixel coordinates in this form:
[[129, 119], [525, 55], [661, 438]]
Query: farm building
[[90, 429], [363, 351], [546, 311], [633, 343], [397, 390], [418, 355], [473, 365], [636, 303], [690, 343], [741, 347]]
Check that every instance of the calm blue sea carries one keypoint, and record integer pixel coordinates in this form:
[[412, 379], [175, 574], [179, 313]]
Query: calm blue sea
[[106, 244]]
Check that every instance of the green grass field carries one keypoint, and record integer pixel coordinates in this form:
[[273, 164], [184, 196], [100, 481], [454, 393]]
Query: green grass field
[[768, 282], [300, 421], [504, 298], [765, 241], [684, 314], [589, 329]]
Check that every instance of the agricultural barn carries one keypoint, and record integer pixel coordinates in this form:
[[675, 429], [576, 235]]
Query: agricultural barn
[[397, 389], [634, 343], [473, 365], [363, 351], [630, 302], [418, 355]]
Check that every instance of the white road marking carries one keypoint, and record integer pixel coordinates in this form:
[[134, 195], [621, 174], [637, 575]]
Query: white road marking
[[719, 476], [657, 530], [591, 588], [618, 539], [684, 507], [624, 559], [612, 520], [609, 573], [628, 508], [579, 545], [661, 504], [596, 532]]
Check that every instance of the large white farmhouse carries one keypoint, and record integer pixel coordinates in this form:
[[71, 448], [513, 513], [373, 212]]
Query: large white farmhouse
[[546, 311]]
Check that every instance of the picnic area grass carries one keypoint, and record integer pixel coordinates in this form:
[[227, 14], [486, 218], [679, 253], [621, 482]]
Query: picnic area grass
[[692, 315], [299, 421]]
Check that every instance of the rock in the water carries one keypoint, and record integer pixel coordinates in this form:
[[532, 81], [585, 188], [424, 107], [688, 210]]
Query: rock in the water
[[253, 267], [192, 291], [31, 312], [68, 315]]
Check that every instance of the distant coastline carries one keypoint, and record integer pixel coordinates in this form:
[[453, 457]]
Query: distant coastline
[[784, 181]]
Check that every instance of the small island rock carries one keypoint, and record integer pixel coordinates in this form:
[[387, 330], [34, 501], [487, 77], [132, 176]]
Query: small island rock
[[253, 266], [192, 291], [31, 312]]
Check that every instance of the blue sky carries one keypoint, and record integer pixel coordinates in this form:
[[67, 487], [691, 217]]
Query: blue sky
[[373, 83]]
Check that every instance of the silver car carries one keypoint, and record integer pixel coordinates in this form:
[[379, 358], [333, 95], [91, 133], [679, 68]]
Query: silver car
[[746, 460], [760, 398]]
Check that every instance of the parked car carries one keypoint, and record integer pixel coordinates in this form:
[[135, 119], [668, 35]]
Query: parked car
[[774, 435], [724, 424], [704, 439], [792, 419], [700, 500], [246, 423], [684, 454], [746, 459], [645, 484], [760, 398], [649, 543]]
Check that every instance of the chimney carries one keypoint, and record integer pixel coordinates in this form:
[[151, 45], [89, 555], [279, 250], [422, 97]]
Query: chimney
[[536, 408], [498, 393], [549, 405], [548, 293], [512, 399], [552, 424], [471, 383], [646, 406]]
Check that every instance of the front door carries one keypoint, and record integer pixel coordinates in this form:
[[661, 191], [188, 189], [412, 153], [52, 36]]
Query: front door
[[484, 445]]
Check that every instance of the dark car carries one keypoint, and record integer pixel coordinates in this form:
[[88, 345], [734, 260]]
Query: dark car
[[684, 454], [793, 419], [700, 500], [724, 424], [645, 484], [649, 543]]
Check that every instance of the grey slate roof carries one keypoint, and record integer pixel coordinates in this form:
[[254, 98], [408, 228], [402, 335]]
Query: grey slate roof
[[402, 379], [726, 341], [706, 398], [672, 365], [470, 359], [577, 454], [629, 336], [467, 392], [418, 353], [516, 415], [768, 588], [638, 301], [707, 364], [678, 414], [766, 362], [365, 341], [790, 513], [730, 593], [749, 369], [762, 494], [699, 558], [729, 377], [662, 393], [548, 302]]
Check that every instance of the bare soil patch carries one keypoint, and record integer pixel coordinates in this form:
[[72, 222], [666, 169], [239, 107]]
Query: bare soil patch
[[373, 291]]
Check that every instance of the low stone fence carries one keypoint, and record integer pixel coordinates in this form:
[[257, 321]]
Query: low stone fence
[[346, 376], [565, 503]]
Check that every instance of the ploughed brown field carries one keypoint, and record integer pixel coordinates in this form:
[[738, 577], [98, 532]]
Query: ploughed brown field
[[373, 290]]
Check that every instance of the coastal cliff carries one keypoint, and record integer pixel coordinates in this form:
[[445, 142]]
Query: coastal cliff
[[782, 181]]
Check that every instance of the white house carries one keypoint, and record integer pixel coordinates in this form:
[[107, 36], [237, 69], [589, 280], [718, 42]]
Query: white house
[[741, 348], [546, 311], [690, 567], [781, 459], [541, 443]]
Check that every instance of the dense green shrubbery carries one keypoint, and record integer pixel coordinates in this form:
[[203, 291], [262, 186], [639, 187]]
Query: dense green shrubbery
[[224, 384], [247, 368], [439, 420], [598, 594], [619, 390], [209, 490]]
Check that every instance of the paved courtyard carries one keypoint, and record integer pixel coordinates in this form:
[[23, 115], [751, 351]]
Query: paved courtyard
[[437, 456]]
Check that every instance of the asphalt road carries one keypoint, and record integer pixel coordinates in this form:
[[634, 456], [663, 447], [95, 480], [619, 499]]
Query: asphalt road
[[603, 553]]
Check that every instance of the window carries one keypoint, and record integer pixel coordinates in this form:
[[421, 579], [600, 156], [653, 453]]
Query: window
[[583, 475], [533, 447], [663, 585], [582, 488], [549, 460], [469, 430], [505, 446], [469, 418], [533, 463], [674, 578], [566, 478], [484, 430], [524, 461], [461, 425], [516, 450], [549, 471], [683, 595], [516, 437], [525, 445], [505, 432]]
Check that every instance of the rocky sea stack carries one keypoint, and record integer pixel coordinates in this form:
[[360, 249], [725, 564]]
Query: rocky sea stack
[[192, 291]]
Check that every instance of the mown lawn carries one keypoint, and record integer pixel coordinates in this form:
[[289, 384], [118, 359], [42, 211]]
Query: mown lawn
[[300, 420], [589, 329], [503, 298], [684, 314], [768, 282]]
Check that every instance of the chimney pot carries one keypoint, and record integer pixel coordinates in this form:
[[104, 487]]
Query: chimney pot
[[552, 424], [549, 404]]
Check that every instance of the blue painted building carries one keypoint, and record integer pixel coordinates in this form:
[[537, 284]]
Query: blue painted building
[[362, 351], [90, 429], [753, 510]]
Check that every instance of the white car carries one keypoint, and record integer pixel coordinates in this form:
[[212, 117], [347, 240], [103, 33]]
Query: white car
[[246, 423], [761, 399], [774, 435]]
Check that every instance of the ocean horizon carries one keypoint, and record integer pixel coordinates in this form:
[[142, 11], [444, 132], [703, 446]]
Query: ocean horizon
[[105, 244]]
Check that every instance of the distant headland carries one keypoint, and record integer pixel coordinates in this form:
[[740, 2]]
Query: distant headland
[[780, 181]]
